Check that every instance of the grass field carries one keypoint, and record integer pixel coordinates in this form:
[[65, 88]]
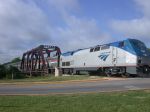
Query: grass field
[[47, 78], [132, 101]]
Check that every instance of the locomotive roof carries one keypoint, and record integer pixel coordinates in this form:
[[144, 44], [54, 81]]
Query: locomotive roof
[[69, 53]]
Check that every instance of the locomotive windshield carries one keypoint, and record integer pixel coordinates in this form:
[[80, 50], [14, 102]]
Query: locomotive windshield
[[139, 47], [138, 44]]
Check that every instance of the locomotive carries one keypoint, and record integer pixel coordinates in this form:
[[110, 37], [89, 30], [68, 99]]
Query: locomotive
[[127, 57]]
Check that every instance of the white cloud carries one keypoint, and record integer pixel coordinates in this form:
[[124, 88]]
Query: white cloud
[[24, 25], [65, 5], [136, 28], [80, 33], [144, 7]]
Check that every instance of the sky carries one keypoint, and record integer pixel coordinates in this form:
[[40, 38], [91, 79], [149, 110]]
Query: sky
[[70, 24]]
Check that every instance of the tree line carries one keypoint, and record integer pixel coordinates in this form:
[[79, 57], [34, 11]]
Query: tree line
[[10, 72]]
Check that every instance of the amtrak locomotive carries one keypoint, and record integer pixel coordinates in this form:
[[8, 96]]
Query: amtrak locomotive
[[127, 57]]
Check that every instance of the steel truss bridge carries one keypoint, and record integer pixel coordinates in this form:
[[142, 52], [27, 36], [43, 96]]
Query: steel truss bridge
[[36, 61]]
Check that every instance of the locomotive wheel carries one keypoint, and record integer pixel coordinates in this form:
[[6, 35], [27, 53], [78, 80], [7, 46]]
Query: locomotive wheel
[[146, 70], [125, 75], [108, 74]]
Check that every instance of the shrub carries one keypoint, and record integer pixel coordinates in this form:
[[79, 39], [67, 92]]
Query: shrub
[[8, 72], [2, 71], [11, 70]]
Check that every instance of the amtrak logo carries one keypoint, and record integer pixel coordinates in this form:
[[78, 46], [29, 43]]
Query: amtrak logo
[[104, 56]]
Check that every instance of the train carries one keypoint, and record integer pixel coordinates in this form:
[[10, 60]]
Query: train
[[127, 57]]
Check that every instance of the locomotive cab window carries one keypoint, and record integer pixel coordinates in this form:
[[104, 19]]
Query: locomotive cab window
[[92, 49], [105, 47], [97, 49]]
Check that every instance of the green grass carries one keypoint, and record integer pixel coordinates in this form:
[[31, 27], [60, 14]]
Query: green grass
[[133, 101], [46, 79]]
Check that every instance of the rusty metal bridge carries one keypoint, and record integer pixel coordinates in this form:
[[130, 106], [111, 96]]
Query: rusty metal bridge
[[37, 60]]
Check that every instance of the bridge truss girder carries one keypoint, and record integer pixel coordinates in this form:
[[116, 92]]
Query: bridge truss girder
[[36, 56]]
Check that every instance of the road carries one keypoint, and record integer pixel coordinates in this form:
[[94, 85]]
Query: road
[[75, 87]]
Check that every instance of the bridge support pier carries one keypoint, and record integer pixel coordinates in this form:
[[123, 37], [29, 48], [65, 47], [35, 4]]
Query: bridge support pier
[[57, 72]]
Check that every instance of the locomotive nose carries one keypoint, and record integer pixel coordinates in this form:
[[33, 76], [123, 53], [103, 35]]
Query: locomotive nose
[[144, 65], [146, 69], [144, 60]]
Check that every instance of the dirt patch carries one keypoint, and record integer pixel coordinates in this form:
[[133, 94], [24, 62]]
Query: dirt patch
[[114, 78]]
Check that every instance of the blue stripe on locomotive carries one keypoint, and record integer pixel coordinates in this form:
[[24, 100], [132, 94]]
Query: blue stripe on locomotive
[[103, 57], [127, 47], [130, 48]]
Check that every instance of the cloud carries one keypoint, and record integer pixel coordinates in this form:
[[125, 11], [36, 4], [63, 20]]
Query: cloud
[[144, 7], [25, 24], [65, 5], [138, 27], [22, 26], [80, 33]]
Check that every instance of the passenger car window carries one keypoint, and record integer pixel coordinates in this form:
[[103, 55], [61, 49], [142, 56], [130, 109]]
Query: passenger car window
[[67, 63], [63, 63]]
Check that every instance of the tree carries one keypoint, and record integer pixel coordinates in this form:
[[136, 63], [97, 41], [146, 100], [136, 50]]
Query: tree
[[10, 72], [16, 60], [2, 71], [13, 73]]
